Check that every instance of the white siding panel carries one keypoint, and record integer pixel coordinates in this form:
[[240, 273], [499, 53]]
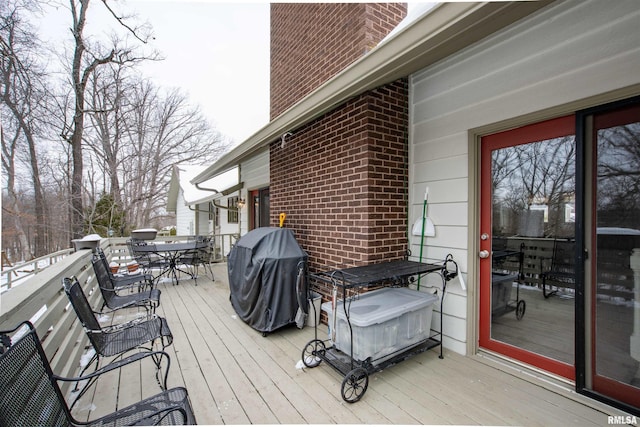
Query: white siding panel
[[441, 191], [443, 169], [442, 214], [446, 237], [452, 305], [566, 53], [454, 327], [572, 51], [203, 219], [600, 25], [437, 254], [448, 146], [184, 217], [254, 172]]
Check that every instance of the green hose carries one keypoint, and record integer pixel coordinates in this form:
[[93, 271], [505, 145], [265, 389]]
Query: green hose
[[424, 221]]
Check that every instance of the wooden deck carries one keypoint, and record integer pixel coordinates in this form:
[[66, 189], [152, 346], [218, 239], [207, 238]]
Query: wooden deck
[[234, 375]]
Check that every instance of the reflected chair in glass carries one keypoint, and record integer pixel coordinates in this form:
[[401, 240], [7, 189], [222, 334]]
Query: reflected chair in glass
[[559, 268]]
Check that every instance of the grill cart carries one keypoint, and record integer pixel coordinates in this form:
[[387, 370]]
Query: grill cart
[[374, 330]]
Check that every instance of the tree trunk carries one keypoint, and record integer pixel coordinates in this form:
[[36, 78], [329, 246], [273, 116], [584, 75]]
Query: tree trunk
[[76, 205]]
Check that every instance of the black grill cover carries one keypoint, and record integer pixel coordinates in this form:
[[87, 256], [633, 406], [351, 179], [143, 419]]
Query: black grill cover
[[263, 268]]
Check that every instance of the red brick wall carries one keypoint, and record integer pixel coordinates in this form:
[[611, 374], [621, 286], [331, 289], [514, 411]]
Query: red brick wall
[[342, 181], [312, 42]]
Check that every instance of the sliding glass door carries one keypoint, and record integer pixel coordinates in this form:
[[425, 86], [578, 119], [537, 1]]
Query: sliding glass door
[[612, 136]]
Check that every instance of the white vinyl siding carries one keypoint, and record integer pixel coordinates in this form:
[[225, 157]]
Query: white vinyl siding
[[569, 55], [185, 219], [254, 173]]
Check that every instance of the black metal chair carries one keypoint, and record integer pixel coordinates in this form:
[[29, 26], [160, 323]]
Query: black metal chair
[[147, 260], [32, 395], [116, 297], [116, 340], [143, 280], [199, 257], [562, 269]]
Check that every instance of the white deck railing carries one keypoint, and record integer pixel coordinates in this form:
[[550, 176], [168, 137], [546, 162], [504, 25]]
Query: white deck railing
[[41, 299], [26, 269]]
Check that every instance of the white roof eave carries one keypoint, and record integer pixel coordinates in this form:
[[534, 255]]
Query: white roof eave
[[441, 31]]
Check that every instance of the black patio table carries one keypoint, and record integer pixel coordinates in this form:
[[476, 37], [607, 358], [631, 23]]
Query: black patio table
[[172, 252]]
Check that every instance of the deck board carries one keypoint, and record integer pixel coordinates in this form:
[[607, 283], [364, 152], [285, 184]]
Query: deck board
[[235, 375]]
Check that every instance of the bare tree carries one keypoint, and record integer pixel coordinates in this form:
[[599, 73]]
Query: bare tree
[[138, 132], [107, 103], [23, 96], [86, 59], [162, 129], [119, 134], [619, 175]]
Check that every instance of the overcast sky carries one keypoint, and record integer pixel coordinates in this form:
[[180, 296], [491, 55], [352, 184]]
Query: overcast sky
[[216, 52]]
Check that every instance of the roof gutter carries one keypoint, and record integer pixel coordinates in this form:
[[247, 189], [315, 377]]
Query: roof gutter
[[442, 31]]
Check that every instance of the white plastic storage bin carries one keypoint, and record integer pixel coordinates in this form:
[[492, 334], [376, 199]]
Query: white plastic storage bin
[[383, 322]]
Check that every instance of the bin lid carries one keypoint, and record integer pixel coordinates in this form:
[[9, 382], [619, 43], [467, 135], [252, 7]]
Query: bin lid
[[382, 305]]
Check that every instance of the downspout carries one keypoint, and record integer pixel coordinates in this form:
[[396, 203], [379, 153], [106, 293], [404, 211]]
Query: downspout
[[205, 189]]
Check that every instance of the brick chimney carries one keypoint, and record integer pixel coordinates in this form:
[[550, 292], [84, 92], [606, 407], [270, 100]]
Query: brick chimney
[[312, 42], [342, 177]]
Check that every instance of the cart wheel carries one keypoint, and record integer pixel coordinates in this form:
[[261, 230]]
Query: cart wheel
[[520, 309], [354, 385], [310, 352]]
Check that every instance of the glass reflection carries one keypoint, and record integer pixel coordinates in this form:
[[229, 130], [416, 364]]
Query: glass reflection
[[618, 239], [533, 208]]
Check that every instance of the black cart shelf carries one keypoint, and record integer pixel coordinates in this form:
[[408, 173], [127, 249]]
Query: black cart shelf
[[349, 280]]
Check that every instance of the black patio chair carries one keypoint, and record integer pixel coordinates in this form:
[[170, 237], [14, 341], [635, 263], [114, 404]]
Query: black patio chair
[[143, 280], [147, 260], [199, 257], [116, 340], [116, 298], [32, 395]]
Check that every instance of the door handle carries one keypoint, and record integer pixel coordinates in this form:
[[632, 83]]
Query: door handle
[[483, 254]]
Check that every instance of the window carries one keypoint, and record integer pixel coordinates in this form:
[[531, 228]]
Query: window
[[216, 216]]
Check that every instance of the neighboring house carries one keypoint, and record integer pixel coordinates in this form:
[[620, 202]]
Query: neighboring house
[[473, 101], [207, 209]]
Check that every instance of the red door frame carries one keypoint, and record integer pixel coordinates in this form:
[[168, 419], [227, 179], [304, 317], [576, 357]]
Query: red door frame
[[601, 384], [553, 128]]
